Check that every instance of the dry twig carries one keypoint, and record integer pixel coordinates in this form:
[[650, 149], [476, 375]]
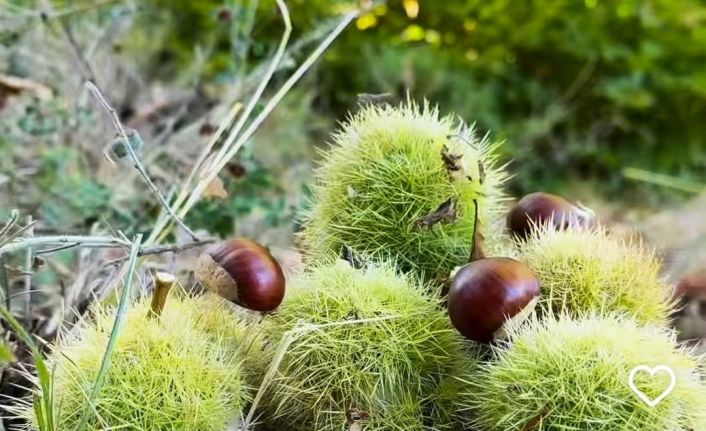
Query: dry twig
[[135, 160]]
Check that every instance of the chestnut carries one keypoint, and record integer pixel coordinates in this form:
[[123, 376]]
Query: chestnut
[[244, 272], [690, 315], [486, 293], [538, 208]]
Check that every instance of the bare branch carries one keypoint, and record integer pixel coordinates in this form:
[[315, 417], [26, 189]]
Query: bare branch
[[174, 248], [136, 161]]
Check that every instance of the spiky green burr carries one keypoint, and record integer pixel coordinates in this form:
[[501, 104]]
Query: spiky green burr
[[572, 374], [179, 371], [399, 182], [370, 343], [589, 270]]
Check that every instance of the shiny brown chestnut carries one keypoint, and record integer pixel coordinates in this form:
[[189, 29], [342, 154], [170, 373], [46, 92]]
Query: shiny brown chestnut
[[690, 315], [243, 272], [538, 208], [486, 293]]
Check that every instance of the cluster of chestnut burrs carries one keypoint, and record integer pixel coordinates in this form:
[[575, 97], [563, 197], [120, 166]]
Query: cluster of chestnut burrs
[[483, 296], [488, 292]]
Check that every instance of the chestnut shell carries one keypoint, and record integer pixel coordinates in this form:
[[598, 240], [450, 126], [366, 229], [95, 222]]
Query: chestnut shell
[[539, 207], [243, 272], [486, 293]]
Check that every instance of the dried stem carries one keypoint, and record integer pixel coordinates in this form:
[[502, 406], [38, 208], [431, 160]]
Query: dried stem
[[11, 222], [234, 141], [64, 240], [136, 161], [4, 282], [175, 248], [163, 283], [271, 104], [29, 259], [477, 252]]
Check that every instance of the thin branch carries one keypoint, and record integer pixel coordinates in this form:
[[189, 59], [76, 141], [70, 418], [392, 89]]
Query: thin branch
[[173, 248], [13, 218], [136, 161], [55, 249], [29, 261], [82, 60], [216, 167], [80, 240]]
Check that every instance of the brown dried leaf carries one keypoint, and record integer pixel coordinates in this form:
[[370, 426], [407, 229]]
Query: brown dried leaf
[[356, 418], [450, 160], [445, 213], [15, 85], [215, 189]]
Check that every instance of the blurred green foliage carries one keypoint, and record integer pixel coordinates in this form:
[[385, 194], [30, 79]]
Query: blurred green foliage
[[251, 188], [580, 89]]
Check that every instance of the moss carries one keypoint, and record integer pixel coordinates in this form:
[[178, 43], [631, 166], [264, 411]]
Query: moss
[[380, 346], [177, 372], [389, 170], [569, 374], [590, 270]]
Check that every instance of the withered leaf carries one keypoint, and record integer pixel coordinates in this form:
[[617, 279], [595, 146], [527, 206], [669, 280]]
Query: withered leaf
[[481, 172], [445, 213], [356, 417], [215, 189], [535, 421], [352, 257], [450, 160]]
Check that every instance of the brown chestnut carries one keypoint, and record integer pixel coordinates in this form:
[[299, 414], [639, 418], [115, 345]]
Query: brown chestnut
[[538, 208], [243, 272], [486, 293], [690, 315]]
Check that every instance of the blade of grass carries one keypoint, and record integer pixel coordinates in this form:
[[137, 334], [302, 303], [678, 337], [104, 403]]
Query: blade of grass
[[664, 180], [43, 402], [234, 142], [232, 149], [119, 318]]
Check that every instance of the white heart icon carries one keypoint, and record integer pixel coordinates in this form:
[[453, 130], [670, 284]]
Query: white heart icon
[[652, 372]]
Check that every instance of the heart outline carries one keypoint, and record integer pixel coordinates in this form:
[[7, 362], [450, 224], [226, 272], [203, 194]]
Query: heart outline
[[652, 372]]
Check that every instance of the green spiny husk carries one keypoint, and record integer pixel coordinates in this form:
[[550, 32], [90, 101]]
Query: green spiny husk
[[376, 343], [382, 183], [572, 374], [181, 371], [589, 270]]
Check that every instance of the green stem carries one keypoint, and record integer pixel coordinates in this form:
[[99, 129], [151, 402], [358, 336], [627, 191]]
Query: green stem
[[119, 318]]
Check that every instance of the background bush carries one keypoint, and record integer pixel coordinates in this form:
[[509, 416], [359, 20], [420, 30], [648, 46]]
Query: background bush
[[580, 89]]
